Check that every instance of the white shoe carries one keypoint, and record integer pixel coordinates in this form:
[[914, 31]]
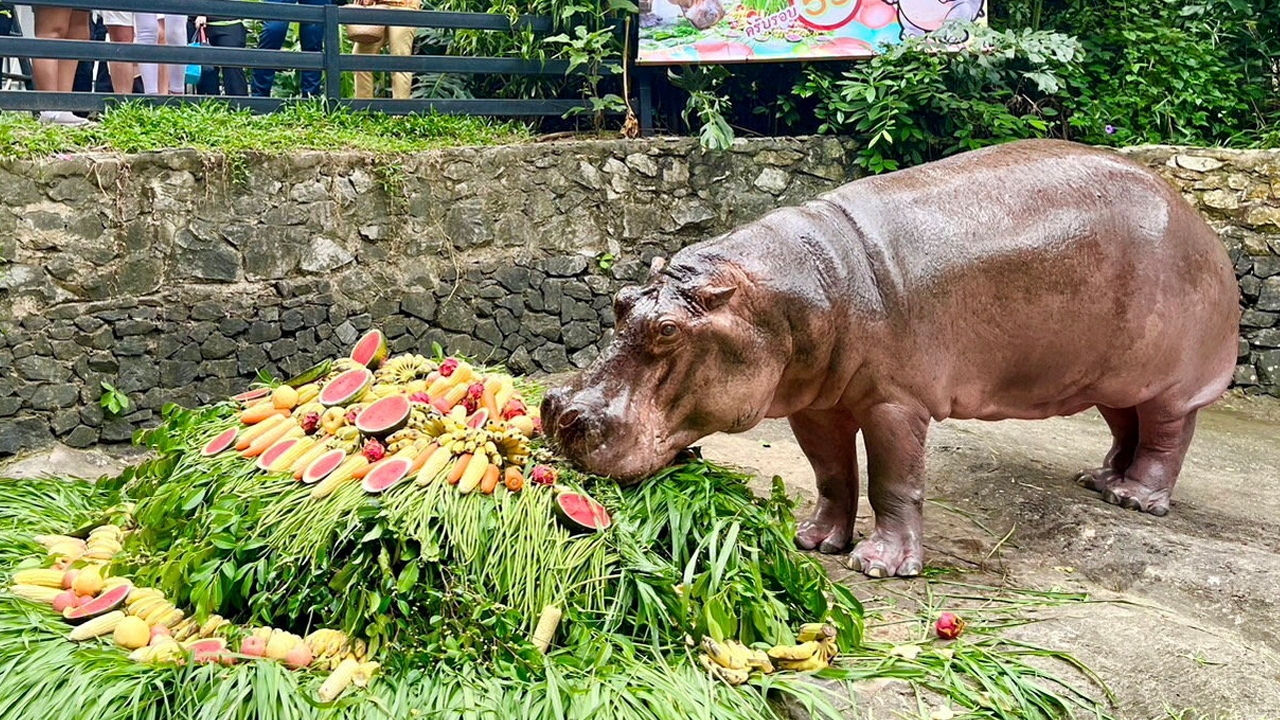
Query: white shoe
[[63, 118]]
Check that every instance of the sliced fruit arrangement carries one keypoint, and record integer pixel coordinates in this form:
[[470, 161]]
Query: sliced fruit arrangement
[[144, 622], [387, 420]]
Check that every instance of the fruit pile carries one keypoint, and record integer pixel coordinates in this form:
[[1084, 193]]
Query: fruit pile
[[381, 420], [734, 662], [141, 620]]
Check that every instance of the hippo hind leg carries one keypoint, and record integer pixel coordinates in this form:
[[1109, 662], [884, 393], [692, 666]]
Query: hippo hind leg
[[1124, 444], [1162, 446], [829, 440]]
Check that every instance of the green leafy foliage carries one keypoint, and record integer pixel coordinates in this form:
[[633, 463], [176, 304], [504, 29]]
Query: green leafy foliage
[[113, 401], [918, 102]]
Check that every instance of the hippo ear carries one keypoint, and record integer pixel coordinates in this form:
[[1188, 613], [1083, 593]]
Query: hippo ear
[[713, 297]]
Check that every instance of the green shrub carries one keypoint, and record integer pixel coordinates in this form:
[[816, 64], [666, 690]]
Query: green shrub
[[917, 102]]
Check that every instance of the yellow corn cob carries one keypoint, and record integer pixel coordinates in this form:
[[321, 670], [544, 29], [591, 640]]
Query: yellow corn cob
[[248, 436], [434, 466], [97, 627], [290, 456], [338, 681], [474, 473], [307, 393], [454, 395], [343, 474], [307, 457], [39, 576], [35, 593]]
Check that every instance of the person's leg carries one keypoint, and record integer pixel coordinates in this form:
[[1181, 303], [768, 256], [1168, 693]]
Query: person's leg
[[401, 44], [50, 22], [364, 80], [233, 78], [272, 38], [120, 30], [311, 37], [146, 31], [77, 29], [175, 35]]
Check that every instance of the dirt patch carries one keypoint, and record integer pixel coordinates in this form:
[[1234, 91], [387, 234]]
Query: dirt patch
[[1182, 619]]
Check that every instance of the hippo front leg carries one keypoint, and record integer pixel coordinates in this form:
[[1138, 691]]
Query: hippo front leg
[[895, 438], [829, 439]]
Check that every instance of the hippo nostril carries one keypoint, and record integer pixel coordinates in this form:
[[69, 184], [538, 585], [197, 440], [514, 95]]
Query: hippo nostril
[[569, 418]]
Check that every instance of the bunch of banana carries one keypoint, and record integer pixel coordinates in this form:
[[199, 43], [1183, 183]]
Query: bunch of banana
[[151, 606], [278, 642], [189, 629], [427, 420], [62, 547], [732, 661], [347, 439], [512, 443], [164, 650], [817, 647], [404, 369], [330, 647], [338, 367], [402, 439], [379, 391]]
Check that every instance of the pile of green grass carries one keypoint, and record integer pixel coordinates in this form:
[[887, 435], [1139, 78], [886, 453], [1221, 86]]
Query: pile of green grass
[[213, 125]]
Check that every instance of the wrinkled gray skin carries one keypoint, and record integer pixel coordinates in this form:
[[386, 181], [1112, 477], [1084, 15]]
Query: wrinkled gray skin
[[1027, 280]]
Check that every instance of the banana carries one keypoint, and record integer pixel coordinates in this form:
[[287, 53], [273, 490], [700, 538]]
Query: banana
[[722, 655], [146, 605], [816, 662], [171, 618], [792, 653], [730, 675], [137, 595]]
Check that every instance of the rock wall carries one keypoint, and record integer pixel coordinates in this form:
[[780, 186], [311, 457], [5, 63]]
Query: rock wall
[[176, 276]]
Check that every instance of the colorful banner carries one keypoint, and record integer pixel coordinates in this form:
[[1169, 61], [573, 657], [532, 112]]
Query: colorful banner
[[735, 31]]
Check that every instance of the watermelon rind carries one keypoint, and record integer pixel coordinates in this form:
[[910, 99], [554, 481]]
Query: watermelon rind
[[384, 416], [310, 375], [220, 443], [371, 349], [386, 475], [345, 387], [254, 394], [106, 601], [594, 519], [330, 460], [273, 453]]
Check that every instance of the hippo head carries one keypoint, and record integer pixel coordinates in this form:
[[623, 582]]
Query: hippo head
[[689, 358]]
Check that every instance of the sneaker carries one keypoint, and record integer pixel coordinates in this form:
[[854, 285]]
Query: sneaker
[[63, 118]]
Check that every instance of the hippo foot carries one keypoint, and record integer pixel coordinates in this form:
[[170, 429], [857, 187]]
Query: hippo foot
[[1097, 479], [887, 554], [1133, 495], [825, 533]]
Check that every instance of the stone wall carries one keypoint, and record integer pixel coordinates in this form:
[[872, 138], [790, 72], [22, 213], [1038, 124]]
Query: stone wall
[[1239, 193], [176, 276]]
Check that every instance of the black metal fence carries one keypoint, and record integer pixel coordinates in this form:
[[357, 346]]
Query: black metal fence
[[331, 61]]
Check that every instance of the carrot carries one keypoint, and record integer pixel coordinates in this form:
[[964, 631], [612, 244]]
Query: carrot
[[257, 413], [421, 458], [246, 437], [459, 466], [490, 479], [490, 403], [513, 478], [363, 470], [265, 440]]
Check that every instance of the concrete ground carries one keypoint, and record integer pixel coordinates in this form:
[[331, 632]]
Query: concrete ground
[[1189, 623], [1185, 618]]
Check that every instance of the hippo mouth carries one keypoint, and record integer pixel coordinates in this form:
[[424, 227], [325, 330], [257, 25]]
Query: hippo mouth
[[602, 442]]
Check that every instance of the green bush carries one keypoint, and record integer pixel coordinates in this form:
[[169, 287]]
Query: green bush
[[917, 102]]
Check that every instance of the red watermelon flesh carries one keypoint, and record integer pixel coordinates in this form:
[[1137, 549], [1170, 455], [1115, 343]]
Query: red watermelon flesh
[[322, 466], [580, 512], [479, 419], [106, 601], [346, 387], [273, 453], [386, 474], [384, 416], [254, 394], [371, 349], [220, 443]]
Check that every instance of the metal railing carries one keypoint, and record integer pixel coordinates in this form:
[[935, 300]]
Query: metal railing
[[331, 61]]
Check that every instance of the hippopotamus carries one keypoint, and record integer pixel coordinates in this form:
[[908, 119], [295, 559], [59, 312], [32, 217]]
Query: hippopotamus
[[1025, 280]]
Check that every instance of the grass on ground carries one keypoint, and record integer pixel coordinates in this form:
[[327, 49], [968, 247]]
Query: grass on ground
[[135, 126]]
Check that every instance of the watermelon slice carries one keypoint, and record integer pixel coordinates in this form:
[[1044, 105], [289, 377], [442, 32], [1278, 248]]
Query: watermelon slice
[[479, 419], [384, 416], [386, 474], [251, 395], [371, 349], [322, 466], [580, 513], [346, 387], [220, 443], [273, 453], [106, 601]]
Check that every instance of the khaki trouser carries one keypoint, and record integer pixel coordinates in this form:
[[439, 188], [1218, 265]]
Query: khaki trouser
[[401, 43]]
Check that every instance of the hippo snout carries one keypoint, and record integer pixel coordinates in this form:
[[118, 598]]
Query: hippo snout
[[593, 436]]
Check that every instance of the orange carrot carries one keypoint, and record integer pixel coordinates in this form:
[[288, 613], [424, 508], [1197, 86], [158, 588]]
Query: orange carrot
[[488, 402], [266, 439], [459, 467], [490, 479], [257, 413], [421, 458], [363, 470], [246, 437], [513, 478]]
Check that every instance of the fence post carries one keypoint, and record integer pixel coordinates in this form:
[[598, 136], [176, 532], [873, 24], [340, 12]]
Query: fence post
[[332, 56]]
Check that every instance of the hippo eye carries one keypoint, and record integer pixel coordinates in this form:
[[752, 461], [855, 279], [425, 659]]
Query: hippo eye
[[667, 328]]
